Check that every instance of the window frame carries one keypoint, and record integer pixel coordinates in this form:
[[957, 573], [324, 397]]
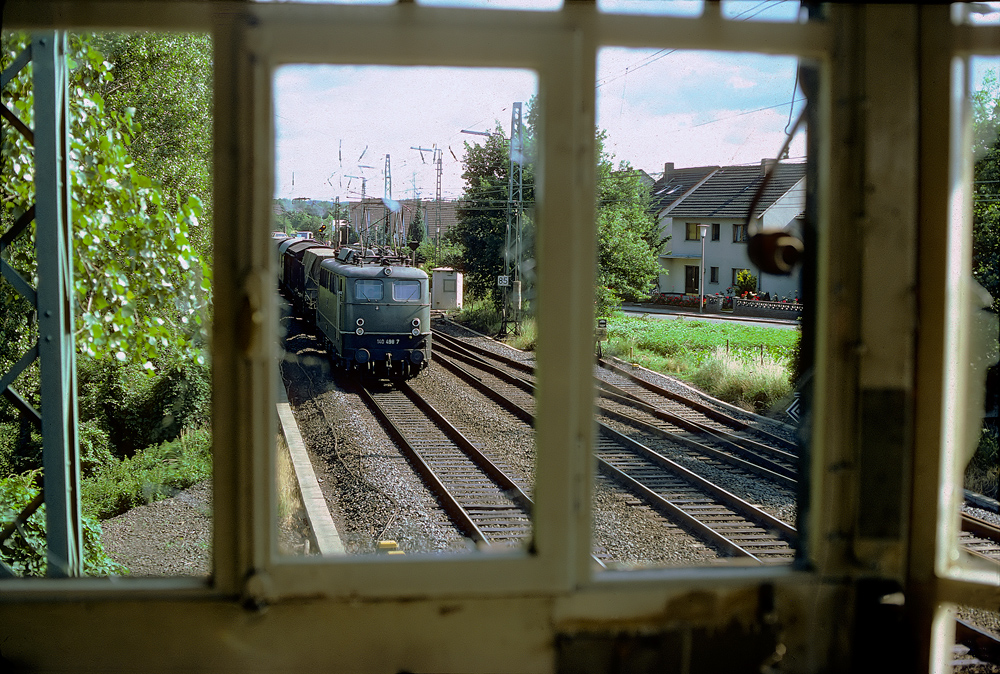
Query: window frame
[[246, 37], [691, 231]]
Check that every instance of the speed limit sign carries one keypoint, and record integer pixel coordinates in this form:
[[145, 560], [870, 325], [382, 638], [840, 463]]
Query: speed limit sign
[[503, 280]]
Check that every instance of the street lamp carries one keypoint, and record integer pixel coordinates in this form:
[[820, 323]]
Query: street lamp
[[701, 276]]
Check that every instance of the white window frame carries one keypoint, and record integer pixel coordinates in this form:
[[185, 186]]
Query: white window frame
[[562, 47]]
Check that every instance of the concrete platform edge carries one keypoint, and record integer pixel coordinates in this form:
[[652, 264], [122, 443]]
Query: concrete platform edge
[[317, 512]]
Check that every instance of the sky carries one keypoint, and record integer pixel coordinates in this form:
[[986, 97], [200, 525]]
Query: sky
[[335, 125]]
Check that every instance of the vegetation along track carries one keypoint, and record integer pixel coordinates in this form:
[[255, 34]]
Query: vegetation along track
[[729, 524], [483, 502]]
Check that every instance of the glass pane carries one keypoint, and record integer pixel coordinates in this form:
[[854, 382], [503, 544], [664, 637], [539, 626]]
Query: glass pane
[[530, 5], [140, 165], [783, 11], [979, 536], [687, 8], [696, 448], [406, 291], [386, 446]]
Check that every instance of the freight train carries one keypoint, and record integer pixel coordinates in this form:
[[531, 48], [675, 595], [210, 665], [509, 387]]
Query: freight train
[[370, 307]]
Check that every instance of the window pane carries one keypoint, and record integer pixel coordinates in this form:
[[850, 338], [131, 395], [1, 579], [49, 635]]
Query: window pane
[[696, 448], [530, 5], [406, 291], [140, 164], [980, 519], [783, 11], [689, 8], [368, 290], [387, 447]]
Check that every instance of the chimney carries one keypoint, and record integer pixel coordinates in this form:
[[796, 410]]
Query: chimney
[[766, 165], [668, 168]]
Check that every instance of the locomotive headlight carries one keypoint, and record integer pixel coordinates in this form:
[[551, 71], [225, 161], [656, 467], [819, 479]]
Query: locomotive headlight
[[359, 331], [360, 322], [415, 332], [415, 322]]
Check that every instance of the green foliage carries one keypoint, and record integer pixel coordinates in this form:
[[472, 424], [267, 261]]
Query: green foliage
[[152, 474], [986, 204], [700, 338], [746, 282], [628, 237], [741, 364], [983, 473], [166, 78], [20, 447], [482, 316], [628, 234], [24, 551], [139, 283], [133, 409], [743, 380], [416, 232], [482, 220]]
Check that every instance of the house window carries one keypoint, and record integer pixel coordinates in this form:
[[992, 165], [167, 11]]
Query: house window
[[714, 277], [739, 233], [736, 272], [692, 232], [716, 230]]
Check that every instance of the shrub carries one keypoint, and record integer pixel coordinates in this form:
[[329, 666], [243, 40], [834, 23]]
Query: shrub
[[743, 379], [154, 473], [481, 316], [745, 281], [24, 550]]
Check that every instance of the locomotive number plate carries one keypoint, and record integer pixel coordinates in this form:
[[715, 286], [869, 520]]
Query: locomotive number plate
[[387, 342]]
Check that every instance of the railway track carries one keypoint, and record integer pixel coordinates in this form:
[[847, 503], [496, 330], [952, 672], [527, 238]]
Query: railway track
[[483, 502], [980, 538], [731, 525], [641, 406]]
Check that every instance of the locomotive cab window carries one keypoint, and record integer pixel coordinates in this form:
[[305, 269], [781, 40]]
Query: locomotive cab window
[[366, 289], [406, 291]]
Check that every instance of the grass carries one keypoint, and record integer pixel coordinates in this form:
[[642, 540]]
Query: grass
[[744, 365], [153, 473]]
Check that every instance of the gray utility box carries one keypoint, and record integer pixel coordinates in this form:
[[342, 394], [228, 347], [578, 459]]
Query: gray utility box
[[446, 288]]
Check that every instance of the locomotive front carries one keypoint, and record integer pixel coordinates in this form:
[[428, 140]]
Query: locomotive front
[[375, 316]]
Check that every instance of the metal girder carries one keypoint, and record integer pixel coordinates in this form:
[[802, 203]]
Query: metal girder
[[53, 249], [53, 302]]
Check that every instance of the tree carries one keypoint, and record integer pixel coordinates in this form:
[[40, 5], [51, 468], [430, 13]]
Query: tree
[[139, 283], [986, 197], [167, 79], [415, 232], [628, 234], [482, 217]]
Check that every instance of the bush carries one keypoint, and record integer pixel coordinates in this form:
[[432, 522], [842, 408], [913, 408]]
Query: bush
[[152, 474], [481, 316], [135, 408], [983, 472], [743, 380], [24, 551]]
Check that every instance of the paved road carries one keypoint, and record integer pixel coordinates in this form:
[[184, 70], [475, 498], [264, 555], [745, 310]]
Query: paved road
[[665, 313]]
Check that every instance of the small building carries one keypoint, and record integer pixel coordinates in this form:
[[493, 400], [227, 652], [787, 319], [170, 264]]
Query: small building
[[446, 288]]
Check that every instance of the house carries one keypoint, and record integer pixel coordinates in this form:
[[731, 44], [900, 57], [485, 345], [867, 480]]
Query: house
[[719, 197]]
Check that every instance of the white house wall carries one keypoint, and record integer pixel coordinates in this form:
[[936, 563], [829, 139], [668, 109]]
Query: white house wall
[[724, 254]]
